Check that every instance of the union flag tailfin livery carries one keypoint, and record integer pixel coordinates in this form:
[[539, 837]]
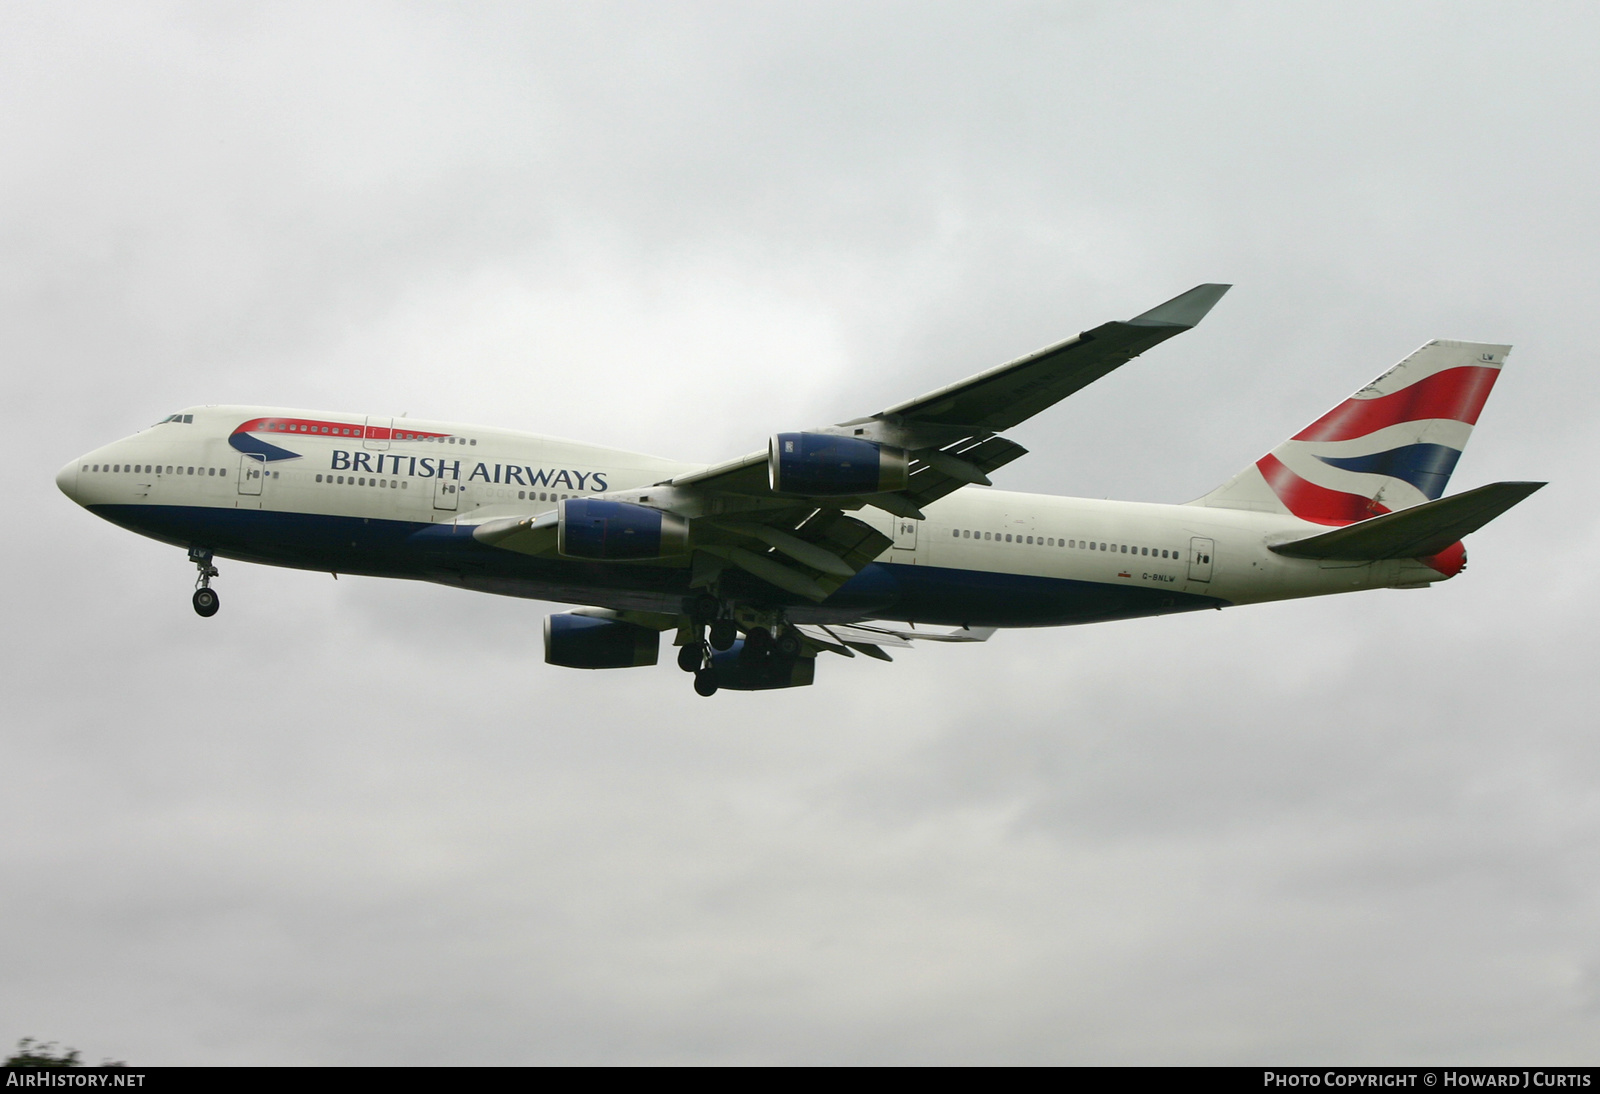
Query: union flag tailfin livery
[[848, 539], [1391, 445]]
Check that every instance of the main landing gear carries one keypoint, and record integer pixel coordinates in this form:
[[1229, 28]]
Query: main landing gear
[[705, 682], [205, 597], [695, 655], [696, 658], [714, 631], [767, 649], [712, 620], [692, 656]]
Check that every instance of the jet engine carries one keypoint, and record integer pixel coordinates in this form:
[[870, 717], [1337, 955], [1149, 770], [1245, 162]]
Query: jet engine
[[825, 465], [585, 642], [600, 529]]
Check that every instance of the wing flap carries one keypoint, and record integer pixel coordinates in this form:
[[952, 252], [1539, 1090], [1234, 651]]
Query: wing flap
[[813, 560], [932, 479], [818, 558], [893, 636], [870, 640]]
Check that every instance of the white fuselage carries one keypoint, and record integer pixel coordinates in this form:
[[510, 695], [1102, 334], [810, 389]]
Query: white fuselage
[[188, 482]]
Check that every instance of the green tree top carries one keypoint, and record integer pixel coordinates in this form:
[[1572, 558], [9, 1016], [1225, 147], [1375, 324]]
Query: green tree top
[[31, 1053]]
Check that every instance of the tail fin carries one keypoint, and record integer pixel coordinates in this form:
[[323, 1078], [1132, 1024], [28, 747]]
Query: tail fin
[[1389, 446]]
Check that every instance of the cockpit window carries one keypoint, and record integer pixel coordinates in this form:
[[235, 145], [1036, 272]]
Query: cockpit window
[[177, 418]]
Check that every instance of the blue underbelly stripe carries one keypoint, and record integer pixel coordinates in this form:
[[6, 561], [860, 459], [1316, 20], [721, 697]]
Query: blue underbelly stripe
[[449, 554]]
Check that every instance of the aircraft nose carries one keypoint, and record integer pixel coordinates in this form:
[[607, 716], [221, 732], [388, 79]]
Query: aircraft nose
[[67, 480]]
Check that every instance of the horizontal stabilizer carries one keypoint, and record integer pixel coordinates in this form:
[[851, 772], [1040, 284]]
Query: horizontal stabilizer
[[1418, 532]]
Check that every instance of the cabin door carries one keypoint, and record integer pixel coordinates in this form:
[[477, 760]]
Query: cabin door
[[1199, 559], [252, 471], [446, 493], [905, 533], [376, 434]]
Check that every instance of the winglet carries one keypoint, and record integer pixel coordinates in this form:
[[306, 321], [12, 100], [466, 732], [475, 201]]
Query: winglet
[[1184, 310]]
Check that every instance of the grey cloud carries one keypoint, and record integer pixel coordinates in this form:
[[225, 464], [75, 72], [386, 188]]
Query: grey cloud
[[361, 822]]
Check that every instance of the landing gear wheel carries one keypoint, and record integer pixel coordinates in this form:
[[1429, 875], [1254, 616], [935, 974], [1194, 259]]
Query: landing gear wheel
[[757, 644], [205, 601], [723, 633], [705, 682], [789, 643], [691, 657]]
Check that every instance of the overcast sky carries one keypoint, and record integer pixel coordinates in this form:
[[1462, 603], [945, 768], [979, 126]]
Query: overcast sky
[[362, 822]]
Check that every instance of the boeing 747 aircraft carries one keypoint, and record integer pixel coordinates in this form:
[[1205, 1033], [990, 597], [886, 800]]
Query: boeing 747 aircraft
[[844, 539]]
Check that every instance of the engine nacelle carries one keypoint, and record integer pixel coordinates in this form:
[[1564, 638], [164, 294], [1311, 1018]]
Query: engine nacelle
[[736, 672], [825, 465], [600, 529], [584, 642]]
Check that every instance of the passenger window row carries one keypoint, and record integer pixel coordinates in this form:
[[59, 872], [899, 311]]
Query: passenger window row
[[1071, 544], [364, 480], [1007, 537], [153, 469], [402, 484], [1123, 548], [301, 427], [354, 431], [432, 439]]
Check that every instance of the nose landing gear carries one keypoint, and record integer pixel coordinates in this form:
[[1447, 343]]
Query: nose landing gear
[[205, 597]]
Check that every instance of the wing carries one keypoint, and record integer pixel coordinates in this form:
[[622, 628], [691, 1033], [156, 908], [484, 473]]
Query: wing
[[951, 434], [1002, 397], [804, 543]]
